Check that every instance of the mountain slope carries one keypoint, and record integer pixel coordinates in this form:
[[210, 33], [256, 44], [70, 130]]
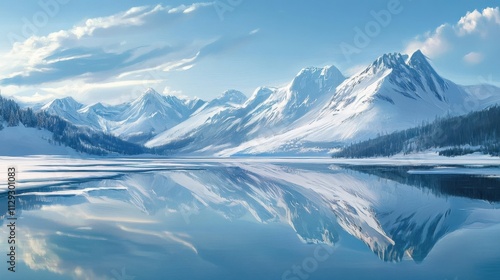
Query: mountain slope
[[150, 114], [137, 121], [319, 110], [395, 92], [480, 130], [51, 129], [66, 108], [21, 141], [268, 110], [226, 102]]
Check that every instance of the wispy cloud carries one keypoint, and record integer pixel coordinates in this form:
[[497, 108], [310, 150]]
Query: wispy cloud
[[473, 58], [186, 9], [127, 49], [89, 49]]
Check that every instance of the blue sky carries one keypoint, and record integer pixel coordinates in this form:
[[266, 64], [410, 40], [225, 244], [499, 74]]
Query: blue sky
[[111, 51]]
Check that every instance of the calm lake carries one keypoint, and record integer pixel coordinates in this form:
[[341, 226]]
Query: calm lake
[[239, 219]]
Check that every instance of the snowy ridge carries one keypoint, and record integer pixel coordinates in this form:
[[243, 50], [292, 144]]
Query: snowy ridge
[[317, 111], [67, 108], [226, 102], [393, 93], [137, 121], [267, 112]]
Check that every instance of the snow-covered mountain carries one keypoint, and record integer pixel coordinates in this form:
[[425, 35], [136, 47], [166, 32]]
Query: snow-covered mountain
[[149, 115], [394, 92], [67, 108], [137, 121], [267, 111], [318, 110], [228, 101]]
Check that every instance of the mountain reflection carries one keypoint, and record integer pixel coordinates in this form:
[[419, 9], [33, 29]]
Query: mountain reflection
[[387, 212]]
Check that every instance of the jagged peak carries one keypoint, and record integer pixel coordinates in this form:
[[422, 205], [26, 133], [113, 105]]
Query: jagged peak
[[233, 96], [151, 92], [307, 71], [260, 94], [67, 100], [389, 60], [152, 95], [417, 56], [98, 106], [419, 61], [328, 76], [326, 71], [396, 60], [229, 97], [63, 102], [263, 91]]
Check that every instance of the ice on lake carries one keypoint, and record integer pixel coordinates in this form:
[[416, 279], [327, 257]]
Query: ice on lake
[[136, 218]]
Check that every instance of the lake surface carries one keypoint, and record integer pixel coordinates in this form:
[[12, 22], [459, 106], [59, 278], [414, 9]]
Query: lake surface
[[252, 219]]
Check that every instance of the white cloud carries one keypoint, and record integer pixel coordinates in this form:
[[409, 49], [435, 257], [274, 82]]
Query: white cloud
[[473, 57], [186, 9], [36, 98], [478, 22], [255, 31], [169, 91], [32, 54], [433, 44], [457, 37], [113, 58]]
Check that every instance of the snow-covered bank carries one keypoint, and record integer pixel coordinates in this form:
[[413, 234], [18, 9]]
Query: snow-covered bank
[[21, 141]]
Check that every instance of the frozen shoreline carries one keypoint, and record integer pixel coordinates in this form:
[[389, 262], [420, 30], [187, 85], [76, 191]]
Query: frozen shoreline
[[40, 171]]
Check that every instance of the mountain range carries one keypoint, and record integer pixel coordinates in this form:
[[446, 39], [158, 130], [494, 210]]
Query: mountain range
[[319, 110]]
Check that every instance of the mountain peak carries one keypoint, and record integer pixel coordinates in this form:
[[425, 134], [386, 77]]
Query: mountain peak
[[418, 55], [418, 59], [229, 97], [150, 95], [63, 103], [411, 76], [389, 61], [67, 100], [95, 107], [314, 77], [151, 92], [233, 96]]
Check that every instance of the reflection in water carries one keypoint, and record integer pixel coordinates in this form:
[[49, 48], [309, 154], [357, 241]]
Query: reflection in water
[[194, 221], [464, 185]]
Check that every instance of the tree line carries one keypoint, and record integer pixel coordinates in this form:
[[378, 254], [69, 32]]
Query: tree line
[[475, 132], [81, 139]]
